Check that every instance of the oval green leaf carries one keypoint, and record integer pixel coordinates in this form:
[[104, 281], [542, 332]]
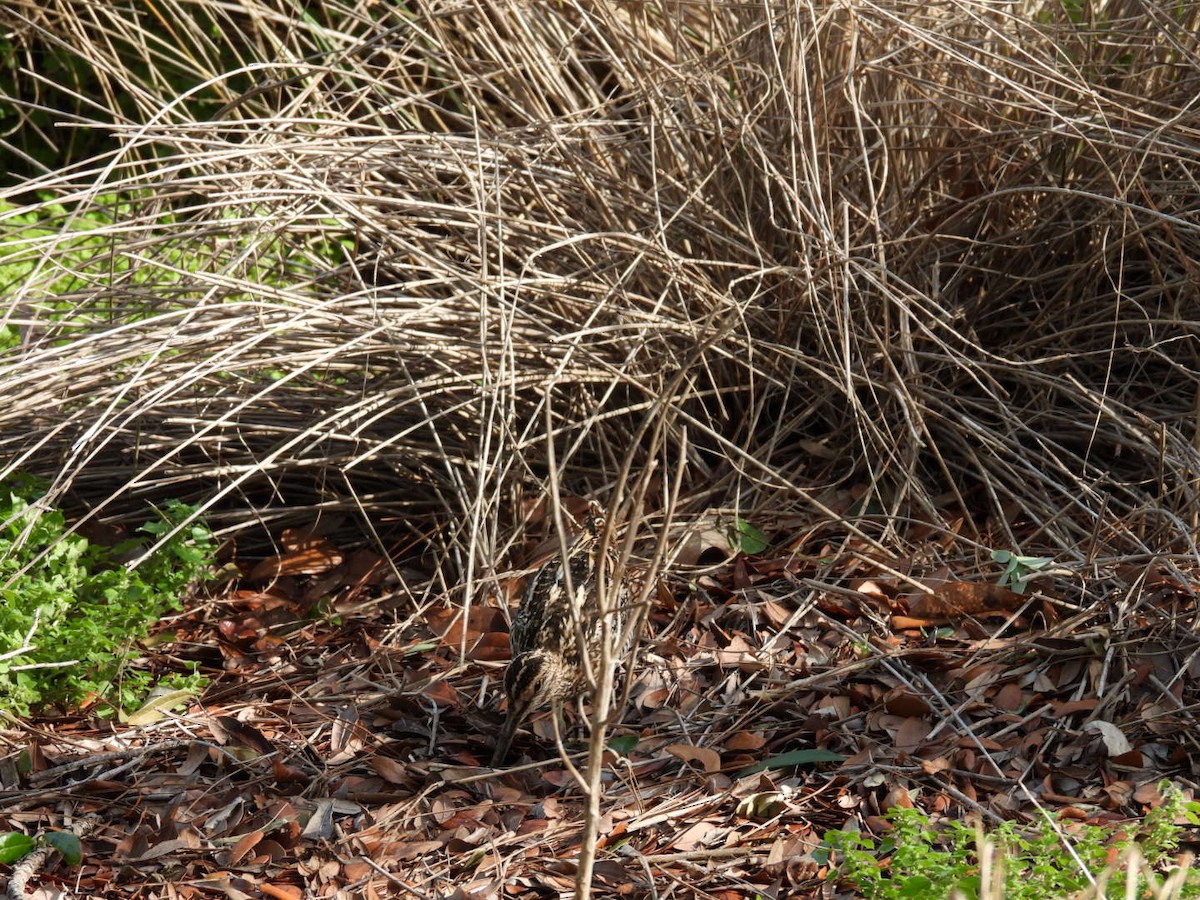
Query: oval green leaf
[[623, 744], [748, 539], [67, 844], [14, 846]]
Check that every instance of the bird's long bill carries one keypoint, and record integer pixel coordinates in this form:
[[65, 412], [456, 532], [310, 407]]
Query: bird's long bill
[[504, 741]]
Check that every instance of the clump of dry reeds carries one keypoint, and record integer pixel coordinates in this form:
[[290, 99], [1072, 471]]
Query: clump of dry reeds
[[940, 256]]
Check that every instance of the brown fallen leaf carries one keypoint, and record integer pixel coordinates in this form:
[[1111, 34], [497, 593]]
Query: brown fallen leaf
[[270, 850], [229, 730], [356, 871], [1010, 698], [365, 567], [1062, 709], [165, 848], [416, 849], [441, 692], [708, 759], [763, 805], [704, 538], [347, 734], [310, 556], [737, 653], [972, 598], [443, 810], [872, 588], [653, 699], [745, 740], [244, 845], [612, 871], [903, 702], [1114, 738], [455, 629], [491, 647], [285, 774], [1148, 793], [776, 613], [911, 733], [281, 891], [696, 836], [550, 808], [390, 770], [1132, 759], [935, 766]]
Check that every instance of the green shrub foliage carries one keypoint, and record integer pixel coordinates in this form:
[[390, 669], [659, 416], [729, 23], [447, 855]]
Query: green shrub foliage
[[71, 612], [918, 860]]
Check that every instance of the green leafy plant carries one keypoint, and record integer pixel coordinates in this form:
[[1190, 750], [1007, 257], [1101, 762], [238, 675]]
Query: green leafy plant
[[71, 612], [623, 744], [745, 538], [1018, 569], [71, 252], [15, 846], [917, 859], [64, 260]]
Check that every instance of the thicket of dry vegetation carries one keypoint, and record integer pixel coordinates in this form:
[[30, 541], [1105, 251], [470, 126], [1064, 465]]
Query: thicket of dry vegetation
[[898, 283]]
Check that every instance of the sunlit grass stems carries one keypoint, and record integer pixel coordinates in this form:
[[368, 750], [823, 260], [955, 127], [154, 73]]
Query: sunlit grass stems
[[942, 251]]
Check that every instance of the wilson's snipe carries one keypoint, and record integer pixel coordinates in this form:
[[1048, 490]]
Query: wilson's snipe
[[559, 616]]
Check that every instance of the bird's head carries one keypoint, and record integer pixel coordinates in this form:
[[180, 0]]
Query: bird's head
[[593, 522], [533, 680]]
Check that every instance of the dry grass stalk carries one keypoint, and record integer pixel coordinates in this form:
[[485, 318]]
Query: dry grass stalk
[[952, 239]]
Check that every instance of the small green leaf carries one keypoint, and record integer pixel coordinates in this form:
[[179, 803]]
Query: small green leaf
[[794, 758], [1191, 811], [67, 844], [1017, 569], [916, 886], [748, 539], [14, 846], [623, 744]]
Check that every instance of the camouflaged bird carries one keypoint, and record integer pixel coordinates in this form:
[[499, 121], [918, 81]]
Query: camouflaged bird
[[547, 667]]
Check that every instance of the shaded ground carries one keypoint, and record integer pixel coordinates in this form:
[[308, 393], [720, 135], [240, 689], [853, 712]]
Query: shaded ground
[[341, 751]]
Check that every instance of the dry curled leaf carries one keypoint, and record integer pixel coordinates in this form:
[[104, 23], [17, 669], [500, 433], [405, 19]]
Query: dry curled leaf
[[958, 598], [709, 760], [763, 805], [301, 556], [1115, 741]]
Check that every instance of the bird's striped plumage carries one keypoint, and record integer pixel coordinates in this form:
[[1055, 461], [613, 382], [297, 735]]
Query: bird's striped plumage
[[558, 621]]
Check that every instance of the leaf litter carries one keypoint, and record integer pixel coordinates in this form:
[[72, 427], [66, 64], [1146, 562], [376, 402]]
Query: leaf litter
[[339, 751]]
